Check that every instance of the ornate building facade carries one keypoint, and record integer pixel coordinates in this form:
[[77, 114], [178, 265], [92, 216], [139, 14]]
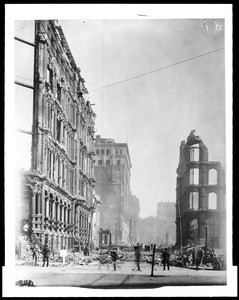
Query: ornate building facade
[[200, 197], [58, 197]]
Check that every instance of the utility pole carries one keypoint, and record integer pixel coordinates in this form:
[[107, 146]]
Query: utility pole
[[152, 270]]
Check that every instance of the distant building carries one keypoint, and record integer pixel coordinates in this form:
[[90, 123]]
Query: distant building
[[134, 210], [200, 197], [112, 166], [147, 230], [166, 227]]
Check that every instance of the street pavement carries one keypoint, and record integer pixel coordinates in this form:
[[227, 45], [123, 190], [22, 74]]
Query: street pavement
[[126, 276]]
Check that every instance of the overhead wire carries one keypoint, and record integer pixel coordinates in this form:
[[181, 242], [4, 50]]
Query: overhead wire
[[137, 76], [143, 74], [156, 70]]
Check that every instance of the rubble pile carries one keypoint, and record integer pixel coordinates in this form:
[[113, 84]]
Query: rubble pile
[[211, 259], [23, 251]]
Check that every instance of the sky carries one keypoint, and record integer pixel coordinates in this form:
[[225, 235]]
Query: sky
[[154, 112]]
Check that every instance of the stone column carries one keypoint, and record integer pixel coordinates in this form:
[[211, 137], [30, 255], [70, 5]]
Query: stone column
[[202, 198]]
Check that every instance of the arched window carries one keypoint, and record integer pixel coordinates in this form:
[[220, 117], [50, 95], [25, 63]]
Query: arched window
[[194, 176], [212, 178], [193, 200], [212, 201]]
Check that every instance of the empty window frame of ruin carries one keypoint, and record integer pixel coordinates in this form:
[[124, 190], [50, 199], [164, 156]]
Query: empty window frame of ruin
[[212, 201], [194, 153], [212, 177], [193, 201], [194, 176]]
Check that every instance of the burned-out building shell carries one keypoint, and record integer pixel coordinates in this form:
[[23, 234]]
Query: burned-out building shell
[[200, 197]]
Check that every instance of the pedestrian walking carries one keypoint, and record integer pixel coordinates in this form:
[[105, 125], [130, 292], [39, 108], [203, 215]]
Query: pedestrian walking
[[46, 253], [137, 256], [114, 257], [100, 258], [166, 258], [86, 251], [35, 251]]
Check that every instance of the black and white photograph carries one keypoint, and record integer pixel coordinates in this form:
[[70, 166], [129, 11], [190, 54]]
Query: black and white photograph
[[118, 150]]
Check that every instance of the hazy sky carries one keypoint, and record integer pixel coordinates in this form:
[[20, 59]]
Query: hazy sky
[[153, 112]]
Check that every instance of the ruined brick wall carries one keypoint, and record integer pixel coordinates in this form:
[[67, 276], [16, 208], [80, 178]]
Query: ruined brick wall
[[194, 199]]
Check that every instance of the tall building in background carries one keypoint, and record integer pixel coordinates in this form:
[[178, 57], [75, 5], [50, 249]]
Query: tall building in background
[[166, 228], [147, 230], [200, 197], [134, 210], [57, 187], [112, 174]]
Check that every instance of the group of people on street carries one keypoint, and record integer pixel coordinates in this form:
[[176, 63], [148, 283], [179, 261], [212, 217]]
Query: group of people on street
[[36, 252], [165, 257], [194, 257]]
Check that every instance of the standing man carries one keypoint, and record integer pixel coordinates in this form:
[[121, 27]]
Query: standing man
[[166, 256], [137, 256], [86, 251], [114, 257], [35, 254], [46, 253]]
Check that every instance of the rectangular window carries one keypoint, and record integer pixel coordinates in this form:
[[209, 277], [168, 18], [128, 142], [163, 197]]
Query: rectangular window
[[23, 107], [107, 151], [23, 154], [25, 30], [58, 130], [116, 151], [194, 176], [107, 162], [102, 151], [194, 154], [98, 152], [193, 201], [50, 78], [118, 162], [100, 162], [121, 151], [58, 92], [24, 62]]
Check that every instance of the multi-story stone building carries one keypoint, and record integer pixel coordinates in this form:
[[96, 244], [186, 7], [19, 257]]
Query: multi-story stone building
[[147, 230], [200, 197], [58, 190], [166, 228], [134, 210], [112, 175]]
